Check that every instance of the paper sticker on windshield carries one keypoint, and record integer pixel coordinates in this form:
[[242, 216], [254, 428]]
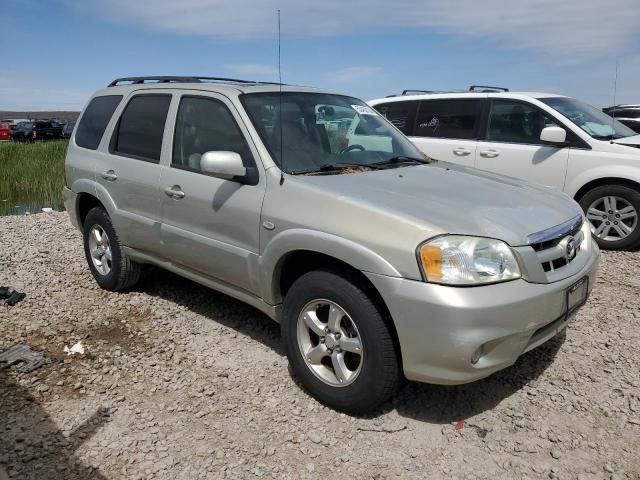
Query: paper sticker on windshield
[[364, 110]]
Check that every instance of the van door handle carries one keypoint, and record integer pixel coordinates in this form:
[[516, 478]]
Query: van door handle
[[461, 152], [489, 153], [109, 175], [174, 192]]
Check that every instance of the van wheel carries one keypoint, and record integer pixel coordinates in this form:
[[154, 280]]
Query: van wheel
[[614, 213], [338, 343], [112, 269]]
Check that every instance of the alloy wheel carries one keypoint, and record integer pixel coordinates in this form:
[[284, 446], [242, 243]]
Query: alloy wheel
[[330, 343], [612, 218], [100, 250]]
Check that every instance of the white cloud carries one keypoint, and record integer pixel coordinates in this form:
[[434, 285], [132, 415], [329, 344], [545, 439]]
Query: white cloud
[[19, 92], [571, 29]]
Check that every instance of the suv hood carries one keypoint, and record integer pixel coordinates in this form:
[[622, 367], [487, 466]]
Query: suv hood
[[447, 198], [633, 141]]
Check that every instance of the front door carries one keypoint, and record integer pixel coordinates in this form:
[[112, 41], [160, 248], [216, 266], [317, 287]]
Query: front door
[[210, 225], [512, 146]]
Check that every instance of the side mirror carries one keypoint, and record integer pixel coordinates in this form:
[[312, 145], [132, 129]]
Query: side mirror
[[222, 164], [553, 135]]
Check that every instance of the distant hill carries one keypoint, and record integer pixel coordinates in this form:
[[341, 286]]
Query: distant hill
[[65, 116]]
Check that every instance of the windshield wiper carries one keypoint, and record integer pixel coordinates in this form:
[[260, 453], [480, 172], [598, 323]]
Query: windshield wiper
[[401, 159], [335, 167]]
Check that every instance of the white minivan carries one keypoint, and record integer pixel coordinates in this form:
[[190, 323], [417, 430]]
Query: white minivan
[[545, 138]]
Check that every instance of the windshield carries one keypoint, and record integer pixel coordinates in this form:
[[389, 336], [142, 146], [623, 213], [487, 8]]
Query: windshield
[[593, 121], [319, 131]]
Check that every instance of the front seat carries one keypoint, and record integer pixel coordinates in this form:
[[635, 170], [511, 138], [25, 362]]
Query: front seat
[[296, 149]]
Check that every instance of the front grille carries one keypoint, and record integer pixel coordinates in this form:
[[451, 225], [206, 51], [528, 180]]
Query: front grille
[[551, 246]]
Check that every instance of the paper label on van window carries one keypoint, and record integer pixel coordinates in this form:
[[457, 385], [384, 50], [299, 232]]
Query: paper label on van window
[[363, 110]]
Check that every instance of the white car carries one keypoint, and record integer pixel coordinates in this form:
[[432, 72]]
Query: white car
[[545, 138]]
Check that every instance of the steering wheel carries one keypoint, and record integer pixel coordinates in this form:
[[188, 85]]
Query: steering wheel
[[351, 148]]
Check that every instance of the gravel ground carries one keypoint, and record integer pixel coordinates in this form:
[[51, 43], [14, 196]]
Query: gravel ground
[[181, 382]]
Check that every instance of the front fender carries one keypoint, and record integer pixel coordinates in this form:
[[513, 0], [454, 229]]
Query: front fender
[[604, 171], [292, 240]]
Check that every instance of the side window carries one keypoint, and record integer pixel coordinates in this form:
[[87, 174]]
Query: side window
[[95, 119], [516, 122], [448, 118], [401, 114], [204, 125], [141, 127]]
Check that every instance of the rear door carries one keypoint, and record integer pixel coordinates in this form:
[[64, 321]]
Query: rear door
[[511, 144], [447, 129], [130, 171], [210, 225]]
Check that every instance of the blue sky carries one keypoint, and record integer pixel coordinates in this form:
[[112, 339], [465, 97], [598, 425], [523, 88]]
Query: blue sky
[[60, 51]]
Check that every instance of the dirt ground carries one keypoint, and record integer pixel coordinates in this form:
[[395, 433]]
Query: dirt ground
[[179, 382]]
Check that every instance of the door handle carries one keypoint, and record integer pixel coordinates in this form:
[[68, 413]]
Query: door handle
[[489, 153], [174, 192], [461, 152], [109, 175]]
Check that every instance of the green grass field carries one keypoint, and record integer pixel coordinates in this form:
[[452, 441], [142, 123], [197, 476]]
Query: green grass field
[[31, 176]]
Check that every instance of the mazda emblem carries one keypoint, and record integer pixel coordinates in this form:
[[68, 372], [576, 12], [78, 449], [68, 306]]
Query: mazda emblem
[[570, 248]]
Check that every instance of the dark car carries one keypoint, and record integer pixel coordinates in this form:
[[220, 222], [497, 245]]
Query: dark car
[[67, 130], [627, 114], [38, 130], [23, 132]]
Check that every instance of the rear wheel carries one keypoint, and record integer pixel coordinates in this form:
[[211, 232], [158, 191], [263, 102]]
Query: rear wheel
[[614, 213], [338, 343], [110, 266]]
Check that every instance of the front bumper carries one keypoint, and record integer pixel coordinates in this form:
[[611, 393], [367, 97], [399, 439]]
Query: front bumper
[[440, 328]]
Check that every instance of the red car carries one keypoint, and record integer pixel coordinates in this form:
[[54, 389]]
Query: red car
[[5, 132]]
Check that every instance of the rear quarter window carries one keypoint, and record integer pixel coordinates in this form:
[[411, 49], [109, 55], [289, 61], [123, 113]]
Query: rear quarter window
[[95, 119]]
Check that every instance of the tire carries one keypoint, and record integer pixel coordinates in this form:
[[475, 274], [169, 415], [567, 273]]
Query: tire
[[113, 270], [620, 204], [373, 376]]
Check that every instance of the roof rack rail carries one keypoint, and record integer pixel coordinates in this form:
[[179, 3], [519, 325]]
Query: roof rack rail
[[487, 89], [177, 79], [410, 91]]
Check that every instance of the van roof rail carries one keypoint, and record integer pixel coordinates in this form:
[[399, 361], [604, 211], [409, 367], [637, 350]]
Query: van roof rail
[[487, 89], [472, 88], [178, 79], [411, 91]]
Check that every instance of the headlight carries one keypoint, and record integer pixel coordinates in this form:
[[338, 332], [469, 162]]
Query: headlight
[[462, 260]]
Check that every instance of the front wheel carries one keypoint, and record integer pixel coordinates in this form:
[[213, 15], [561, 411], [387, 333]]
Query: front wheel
[[338, 343], [613, 211]]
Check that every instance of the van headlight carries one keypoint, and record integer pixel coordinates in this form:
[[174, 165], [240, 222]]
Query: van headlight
[[462, 260]]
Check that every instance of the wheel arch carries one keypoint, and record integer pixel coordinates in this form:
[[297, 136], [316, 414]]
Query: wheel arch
[[319, 245], [296, 263], [84, 203], [89, 195], [598, 182]]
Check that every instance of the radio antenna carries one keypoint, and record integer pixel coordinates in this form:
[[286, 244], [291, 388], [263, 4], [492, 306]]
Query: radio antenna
[[280, 105], [615, 93]]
